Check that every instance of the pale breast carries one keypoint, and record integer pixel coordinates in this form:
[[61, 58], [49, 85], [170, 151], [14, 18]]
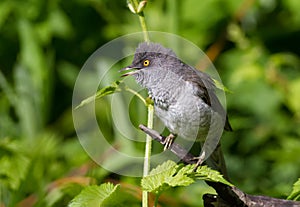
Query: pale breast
[[188, 116]]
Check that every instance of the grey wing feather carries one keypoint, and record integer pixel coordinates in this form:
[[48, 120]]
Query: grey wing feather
[[205, 89]]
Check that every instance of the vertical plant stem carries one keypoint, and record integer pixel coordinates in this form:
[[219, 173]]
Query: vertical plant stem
[[142, 21], [144, 27], [148, 145]]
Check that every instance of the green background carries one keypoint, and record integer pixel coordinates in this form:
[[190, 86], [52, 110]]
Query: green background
[[254, 45]]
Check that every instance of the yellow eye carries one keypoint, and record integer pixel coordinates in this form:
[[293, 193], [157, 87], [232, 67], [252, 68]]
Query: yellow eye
[[146, 63]]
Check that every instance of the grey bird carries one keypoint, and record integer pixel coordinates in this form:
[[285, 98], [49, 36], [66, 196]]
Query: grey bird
[[184, 99]]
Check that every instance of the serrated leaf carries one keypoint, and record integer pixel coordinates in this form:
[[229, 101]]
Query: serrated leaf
[[156, 180], [295, 195], [114, 87], [166, 168], [94, 195], [208, 174], [167, 175], [182, 177]]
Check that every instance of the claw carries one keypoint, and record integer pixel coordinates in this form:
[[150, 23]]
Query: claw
[[169, 141], [200, 160]]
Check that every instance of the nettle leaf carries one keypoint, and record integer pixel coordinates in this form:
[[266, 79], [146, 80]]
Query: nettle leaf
[[94, 195], [167, 175], [208, 174], [114, 87], [295, 195], [182, 177], [156, 180]]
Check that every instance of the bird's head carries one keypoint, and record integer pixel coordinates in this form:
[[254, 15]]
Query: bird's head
[[151, 61]]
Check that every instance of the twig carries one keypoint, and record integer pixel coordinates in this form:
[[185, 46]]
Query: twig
[[182, 153], [228, 196]]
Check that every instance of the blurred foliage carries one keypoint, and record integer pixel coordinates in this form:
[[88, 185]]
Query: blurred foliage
[[43, 45], [295, 195], [103, 195]]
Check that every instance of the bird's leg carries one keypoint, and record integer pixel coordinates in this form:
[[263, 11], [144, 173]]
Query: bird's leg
[[200, 161], [168, 141]]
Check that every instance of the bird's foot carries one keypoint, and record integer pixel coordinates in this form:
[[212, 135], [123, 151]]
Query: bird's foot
[[200, 160], [169, 141]]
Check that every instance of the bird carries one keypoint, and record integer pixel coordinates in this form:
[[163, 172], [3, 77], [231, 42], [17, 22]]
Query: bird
[[184, 100]]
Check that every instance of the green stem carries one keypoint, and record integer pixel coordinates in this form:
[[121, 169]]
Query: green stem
[[144, 27], [142, 21], [137, 94], [148, 145]]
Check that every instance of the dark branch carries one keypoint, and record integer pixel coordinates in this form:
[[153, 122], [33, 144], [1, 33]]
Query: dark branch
[[179, 151], [227, 196]]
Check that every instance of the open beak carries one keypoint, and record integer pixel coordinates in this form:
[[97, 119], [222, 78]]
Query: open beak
[[130, 70]]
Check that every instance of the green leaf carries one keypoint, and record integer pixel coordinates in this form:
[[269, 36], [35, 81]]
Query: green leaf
[[295, 195], [103, 195], [14, 164], [208, 174], [156, 180], [114, 87], [182, 177], [167, 175]]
